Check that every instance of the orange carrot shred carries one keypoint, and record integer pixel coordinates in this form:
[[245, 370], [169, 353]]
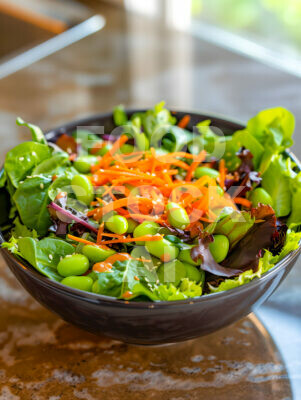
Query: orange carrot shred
[[201, 157], [184, 121], [145, 238], [100, 232], [244, 202], [222, 173]]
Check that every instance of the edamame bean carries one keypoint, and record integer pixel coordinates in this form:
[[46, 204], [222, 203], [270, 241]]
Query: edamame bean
[[219, 248], [177, 216], [146, 228], [163, 249], [96, 254], [259, 195], [102, 150], [132, 225], [79, 282], [76, 264], [117, 224], [127, 148], [83, 163], [141, 253], [83, 189], [95, 287], [173, 272], [185, 257], [193, 273], [205, 171]]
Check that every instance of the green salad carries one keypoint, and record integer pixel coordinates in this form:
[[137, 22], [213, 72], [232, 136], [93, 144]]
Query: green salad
[[157, 209]]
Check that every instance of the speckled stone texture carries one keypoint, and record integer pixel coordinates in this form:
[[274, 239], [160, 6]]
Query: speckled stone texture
[[42, 357]]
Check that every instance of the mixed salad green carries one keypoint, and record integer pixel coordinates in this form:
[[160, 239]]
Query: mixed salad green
[[154, 210]]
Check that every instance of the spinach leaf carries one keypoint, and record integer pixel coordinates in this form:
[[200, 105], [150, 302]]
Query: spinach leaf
[[4, 199], [21, 160], [169, 137], [129, 275], [3, 178], [119, 116], [62, 183], [44, 255], [86, 139], [31, 199], [155, 118], [36, 132], [51, 165]]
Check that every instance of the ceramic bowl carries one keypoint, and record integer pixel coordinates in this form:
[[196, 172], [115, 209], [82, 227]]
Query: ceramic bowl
[[149, 323]]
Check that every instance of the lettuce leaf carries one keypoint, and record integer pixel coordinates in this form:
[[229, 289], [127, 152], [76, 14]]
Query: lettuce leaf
[[266, 263], [169, 292], [266, 135], [294, 220], [273, 129], [277, 181]]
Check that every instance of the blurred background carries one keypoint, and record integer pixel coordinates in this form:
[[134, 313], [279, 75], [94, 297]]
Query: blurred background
[[65, 59]]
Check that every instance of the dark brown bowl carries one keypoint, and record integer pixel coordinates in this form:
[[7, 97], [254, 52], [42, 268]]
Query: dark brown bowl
[[145, 322]]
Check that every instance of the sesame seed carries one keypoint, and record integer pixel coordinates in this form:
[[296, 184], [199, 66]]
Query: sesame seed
[[50, 257], [42, 185], [21, 158], [34, 153]]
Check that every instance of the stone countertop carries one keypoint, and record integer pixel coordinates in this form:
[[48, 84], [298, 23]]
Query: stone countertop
[[138, 62]]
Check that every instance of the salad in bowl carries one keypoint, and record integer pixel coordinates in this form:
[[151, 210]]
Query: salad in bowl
[[156, 210]]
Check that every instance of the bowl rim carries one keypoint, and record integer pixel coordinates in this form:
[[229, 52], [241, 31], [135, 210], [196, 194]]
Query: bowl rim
[[99, 298]]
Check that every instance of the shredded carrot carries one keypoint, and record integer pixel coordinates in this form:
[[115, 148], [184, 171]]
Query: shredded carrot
[[119, 142], [73, 157], [201, 157], [60, 195], [145, 238], [144, 217], [100, 233], [81, 240], [98, 146], [222, 173], [184, 121], [244, 202]]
